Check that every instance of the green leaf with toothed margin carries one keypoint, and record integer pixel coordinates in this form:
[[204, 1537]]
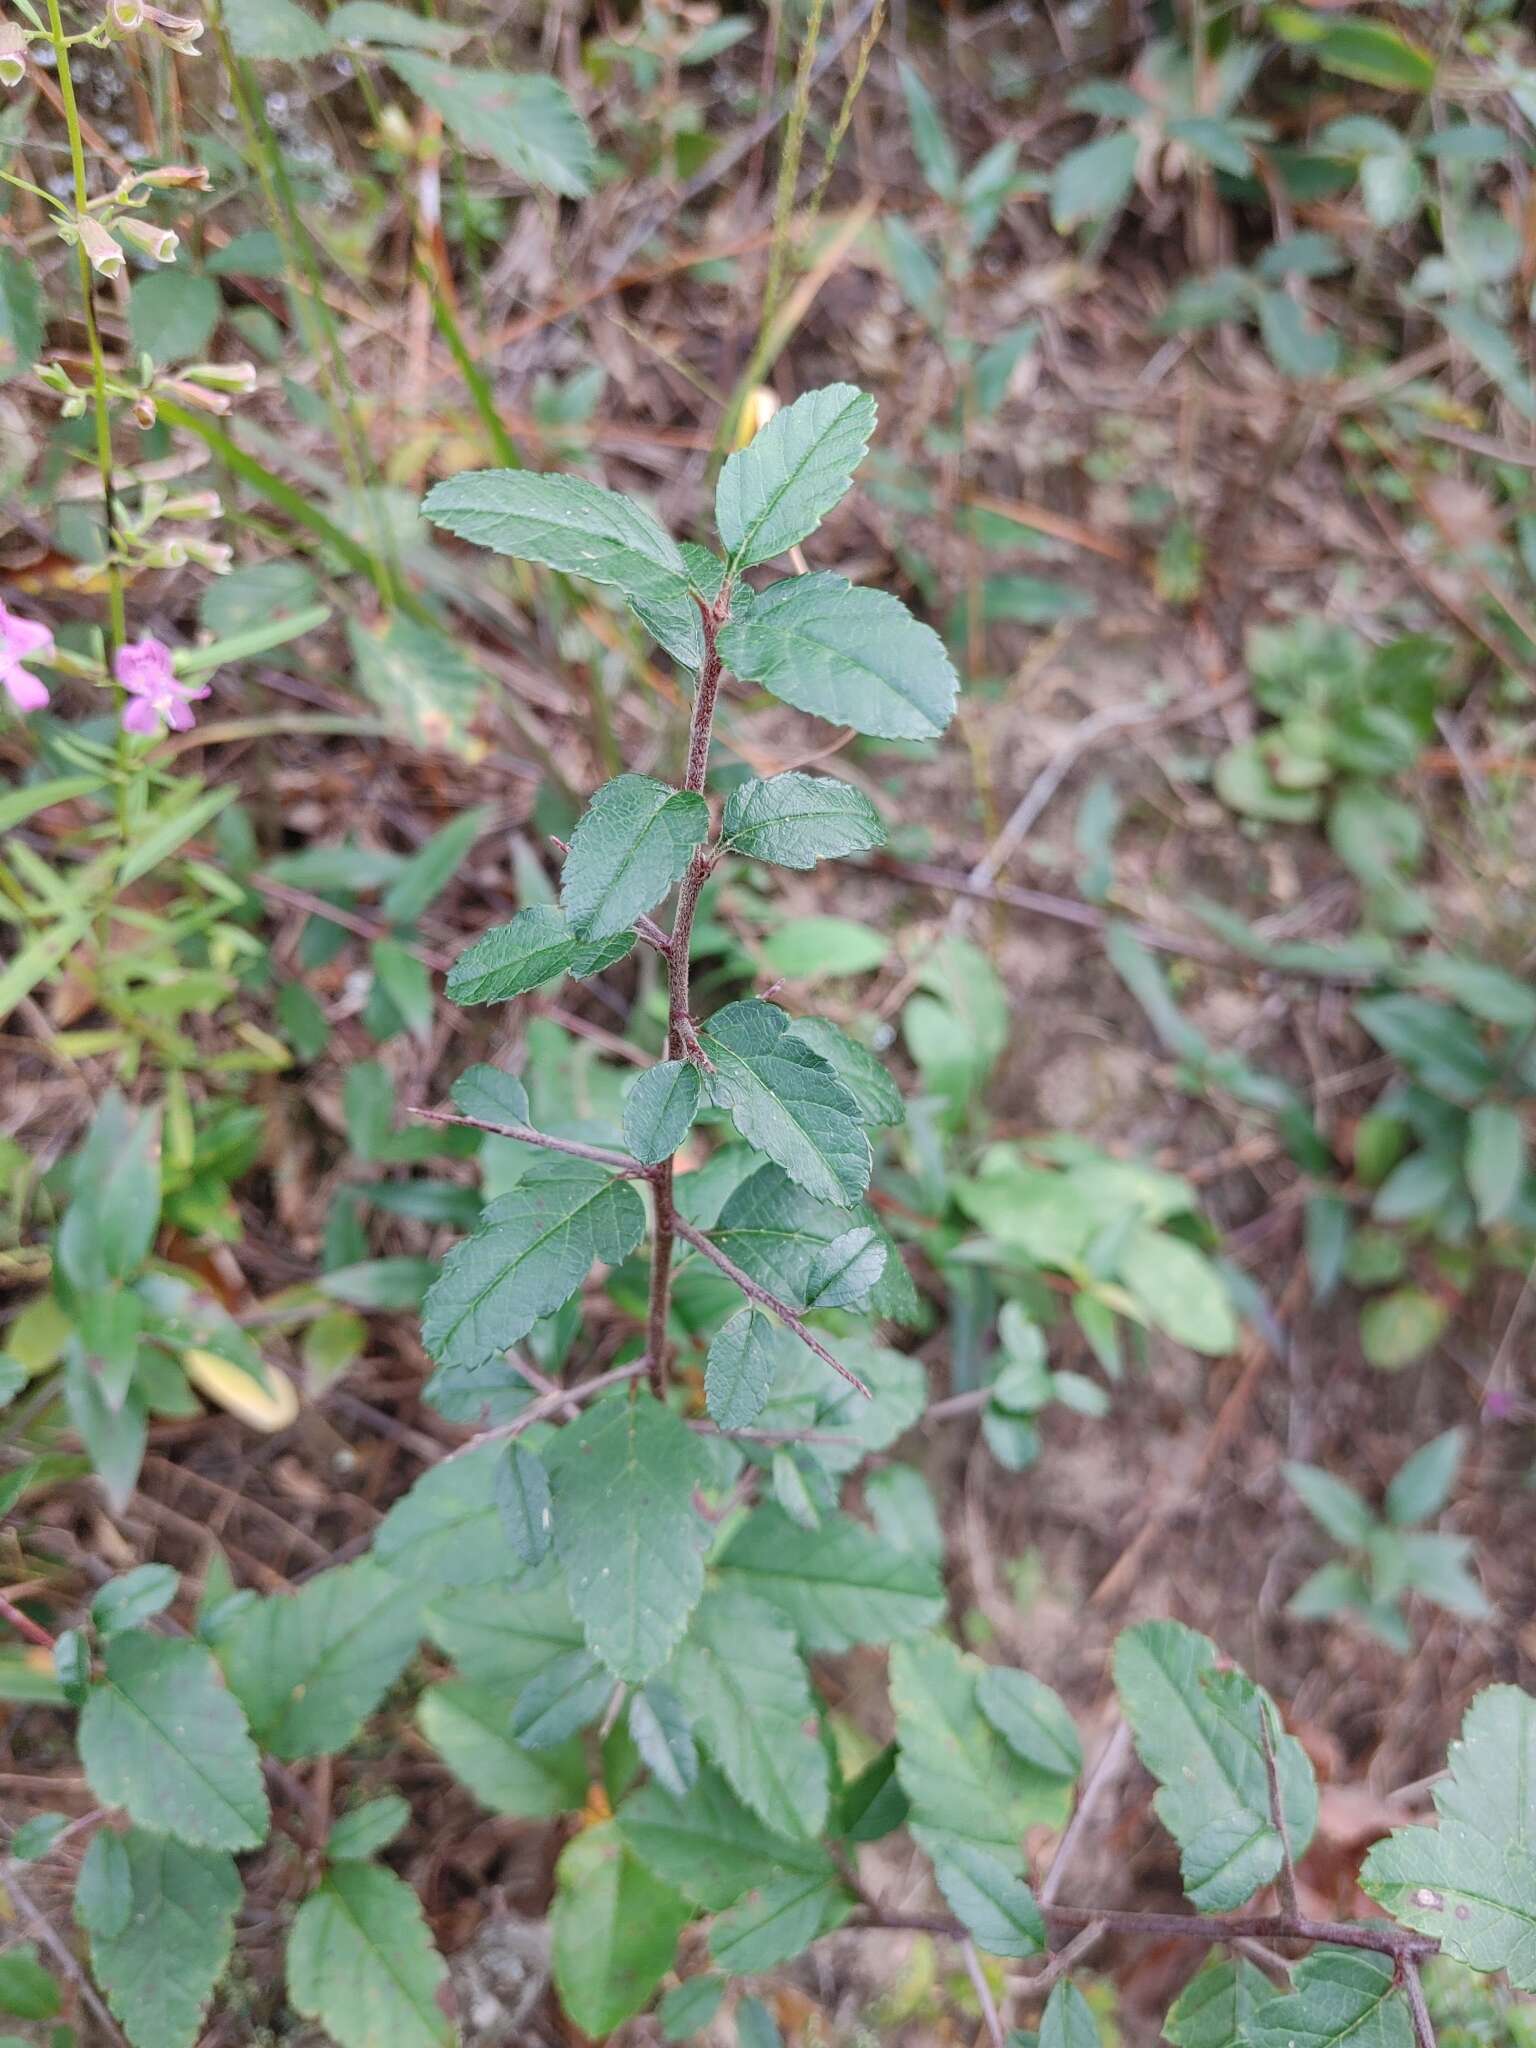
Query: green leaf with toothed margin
[[659, 1110], [613, 1928], [159, 1962], [634, 840], [854, 656], [362, 1962], [743, 1683], [786, 1100], [796, 820], [532, 1249], [1336, 1995], [838, 1585], [744, 1355], [1471, 1882], [565, 523], [1215, 2006], [622, 1477], [780, 487], [1197, 1730], [878, 1097], [537, 946]]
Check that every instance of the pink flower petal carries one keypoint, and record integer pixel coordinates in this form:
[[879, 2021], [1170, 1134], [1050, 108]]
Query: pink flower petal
[[141, 715], [24, 639], [143, 667], [178, 715], [25, 690]]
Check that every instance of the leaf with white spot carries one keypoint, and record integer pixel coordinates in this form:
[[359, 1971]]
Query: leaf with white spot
[[780, 487]]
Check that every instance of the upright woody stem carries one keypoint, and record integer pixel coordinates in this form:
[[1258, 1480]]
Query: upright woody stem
[[680, 1036]]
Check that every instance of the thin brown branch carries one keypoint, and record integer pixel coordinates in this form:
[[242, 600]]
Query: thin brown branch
[[24, 1625], [1423, 2025], [1098, 1781], [1404, 1946], [616, 1162], [764, 1299], [568, 1398], [1041, 1984], [1287, 1877], [984, 1998]]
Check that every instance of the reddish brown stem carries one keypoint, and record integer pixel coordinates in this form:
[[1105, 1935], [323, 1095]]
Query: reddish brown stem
[[24, 1625], [764, 1299], [616, 1162]]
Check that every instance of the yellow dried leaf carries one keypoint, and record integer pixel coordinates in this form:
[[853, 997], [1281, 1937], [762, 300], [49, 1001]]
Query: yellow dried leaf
[[271, 1405]]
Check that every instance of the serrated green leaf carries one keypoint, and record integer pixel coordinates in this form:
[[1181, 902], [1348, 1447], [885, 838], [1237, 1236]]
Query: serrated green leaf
[[663, 1736], [659, 1110], [134, 1746], [1032, 1720], [743, 1356], [446, 1533], [1471, 1882], [614, 1928], [522, 1500], [1067, 2021], [492, 1094], [775, 1924], [786, 1100], [967, 1788], [878, 1098], [160, 1964], [780, 487], [500, 1636], [711, 1847], [533, 1248], [137, 1596], [467, 1726], [1197, 1731], [634, 840], [565, 523], [559, 1700], [622, 1477], [995, 1904], [854, 656], [743, 1683], [774, 1231], [310, 1667], [366, 1829], [538, 946], [523, 121], [839, 1585], [362, 1963], [1337, 1994], [796, 820], [844, 1273], [1215, 2006]]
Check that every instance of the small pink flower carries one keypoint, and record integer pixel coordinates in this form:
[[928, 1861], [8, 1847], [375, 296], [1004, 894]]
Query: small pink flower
[[156, 692], [23, 640]]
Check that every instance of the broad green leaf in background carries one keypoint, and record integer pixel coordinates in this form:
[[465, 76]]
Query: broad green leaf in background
[[710, 1847], [744, 1355], [659, 1110], [1495, 1159], [418, 881], [537, 946], [172, 314], [1197, 1731], [362, 1962], [838, 1585], [1422, 1484], [531, 1251], [1067, 2021], [134, 1747], [1032, 1720], [565, 523], [744, 1685], [162, 1946], [523, 121], [1336, 1995], [1332, 1503], [1092, 182], [854, 656], [786, 1100], [968, 1789], [689, 2007], [110, 1224], [1397, 1329], [817, 948], [780, 487], [622, 1477], [1216, 2005], [364, 1830], [421, 679], [21, 315], [310, 1667], [930, 139], [1472, 1881], [634, 840], [27, 1990], [467, 1725], [796, 820], [376, 21], [1180, 1289], [1353, 47], [614, 1928], [274, 30]]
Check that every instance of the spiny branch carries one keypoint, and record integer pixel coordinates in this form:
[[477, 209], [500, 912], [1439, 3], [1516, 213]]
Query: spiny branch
[[24, 1625], [1405, 1947], [616, 1162], [764, 1299], [552, 1403]]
